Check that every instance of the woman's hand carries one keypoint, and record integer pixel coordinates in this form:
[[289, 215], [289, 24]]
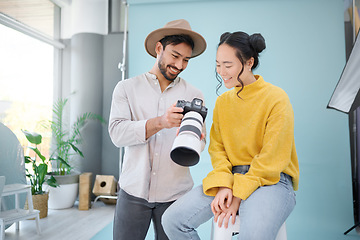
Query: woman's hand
[[224, 206], [221, 202], [229, 212]]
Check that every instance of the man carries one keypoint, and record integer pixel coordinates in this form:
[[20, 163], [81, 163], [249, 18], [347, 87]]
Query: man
[[144, 119]]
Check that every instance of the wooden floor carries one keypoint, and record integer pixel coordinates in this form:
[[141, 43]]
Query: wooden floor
[[67, 224]]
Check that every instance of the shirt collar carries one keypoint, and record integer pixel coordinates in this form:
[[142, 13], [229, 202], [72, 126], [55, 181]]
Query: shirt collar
[[155, 80]]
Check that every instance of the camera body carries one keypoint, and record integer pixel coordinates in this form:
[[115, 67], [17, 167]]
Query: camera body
[[195, 105]]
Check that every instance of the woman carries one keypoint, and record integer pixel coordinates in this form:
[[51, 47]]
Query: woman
[[252, 151]]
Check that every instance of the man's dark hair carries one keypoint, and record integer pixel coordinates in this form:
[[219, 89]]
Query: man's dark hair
[[177, 39]]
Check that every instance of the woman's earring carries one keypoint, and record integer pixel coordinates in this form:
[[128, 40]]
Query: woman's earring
[[249, 69]]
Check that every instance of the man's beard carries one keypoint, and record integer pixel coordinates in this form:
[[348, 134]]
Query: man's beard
[[163, 69]]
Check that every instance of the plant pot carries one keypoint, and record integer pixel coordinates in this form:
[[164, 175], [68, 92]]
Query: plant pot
[[40, 202], [66, 194]]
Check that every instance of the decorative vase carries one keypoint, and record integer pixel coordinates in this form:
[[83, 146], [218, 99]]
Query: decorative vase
[[66, 194], [40, 202]]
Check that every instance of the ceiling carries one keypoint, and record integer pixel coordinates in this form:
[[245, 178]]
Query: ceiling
[[38, 14]]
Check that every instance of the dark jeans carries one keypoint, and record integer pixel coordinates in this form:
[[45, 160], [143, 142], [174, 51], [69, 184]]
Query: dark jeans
[[133, 215]]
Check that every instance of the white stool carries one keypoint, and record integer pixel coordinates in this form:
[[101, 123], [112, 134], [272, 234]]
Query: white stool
[[17, 214], [222, 233]]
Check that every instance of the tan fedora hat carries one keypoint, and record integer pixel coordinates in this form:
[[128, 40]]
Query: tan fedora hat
[[175, 27]]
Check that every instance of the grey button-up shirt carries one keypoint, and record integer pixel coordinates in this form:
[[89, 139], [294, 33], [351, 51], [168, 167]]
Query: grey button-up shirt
[[148, 171]]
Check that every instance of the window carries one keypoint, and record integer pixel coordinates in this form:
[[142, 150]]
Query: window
[[28, 51], [26, 83]]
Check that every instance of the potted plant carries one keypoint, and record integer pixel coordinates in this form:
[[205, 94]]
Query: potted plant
[[66, 147], [38, 174]]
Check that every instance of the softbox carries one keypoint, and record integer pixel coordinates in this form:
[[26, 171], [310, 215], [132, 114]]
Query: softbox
[[346, 99]]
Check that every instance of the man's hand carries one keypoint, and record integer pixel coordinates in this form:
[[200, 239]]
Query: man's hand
[[172, 117]]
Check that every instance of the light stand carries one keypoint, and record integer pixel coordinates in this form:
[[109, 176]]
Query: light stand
[[353, 117]]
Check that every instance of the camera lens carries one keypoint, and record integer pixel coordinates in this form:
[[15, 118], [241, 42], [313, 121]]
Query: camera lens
[[187, 145]]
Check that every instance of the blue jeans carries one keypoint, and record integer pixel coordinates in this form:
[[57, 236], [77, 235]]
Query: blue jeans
[[261, 214]]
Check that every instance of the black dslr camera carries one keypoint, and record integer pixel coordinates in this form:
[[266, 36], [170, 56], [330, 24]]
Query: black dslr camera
[[194, 105]]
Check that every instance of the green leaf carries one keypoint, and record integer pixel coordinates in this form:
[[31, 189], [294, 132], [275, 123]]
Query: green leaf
[[42, 171], [61, 160], [32, 137], [76, 149], [37, 151], [51, 181], [28, 159]]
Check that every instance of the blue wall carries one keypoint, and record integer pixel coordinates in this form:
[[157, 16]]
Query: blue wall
[[305, 56]]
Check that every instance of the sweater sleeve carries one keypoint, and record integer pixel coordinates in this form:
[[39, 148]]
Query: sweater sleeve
[[275, 154], [221, 176]]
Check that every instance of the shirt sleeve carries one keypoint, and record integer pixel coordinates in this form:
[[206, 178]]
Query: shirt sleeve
[[221, 176], [122, 129], [275, 154]]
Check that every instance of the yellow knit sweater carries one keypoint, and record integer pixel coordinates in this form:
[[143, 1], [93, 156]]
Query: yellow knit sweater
[[257, 130]]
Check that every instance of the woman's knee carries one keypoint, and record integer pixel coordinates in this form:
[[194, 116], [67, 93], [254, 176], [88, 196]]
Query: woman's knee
[[169, 219]]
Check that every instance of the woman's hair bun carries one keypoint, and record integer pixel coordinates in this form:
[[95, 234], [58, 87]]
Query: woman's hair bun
[[224, 36], [257, 41]]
